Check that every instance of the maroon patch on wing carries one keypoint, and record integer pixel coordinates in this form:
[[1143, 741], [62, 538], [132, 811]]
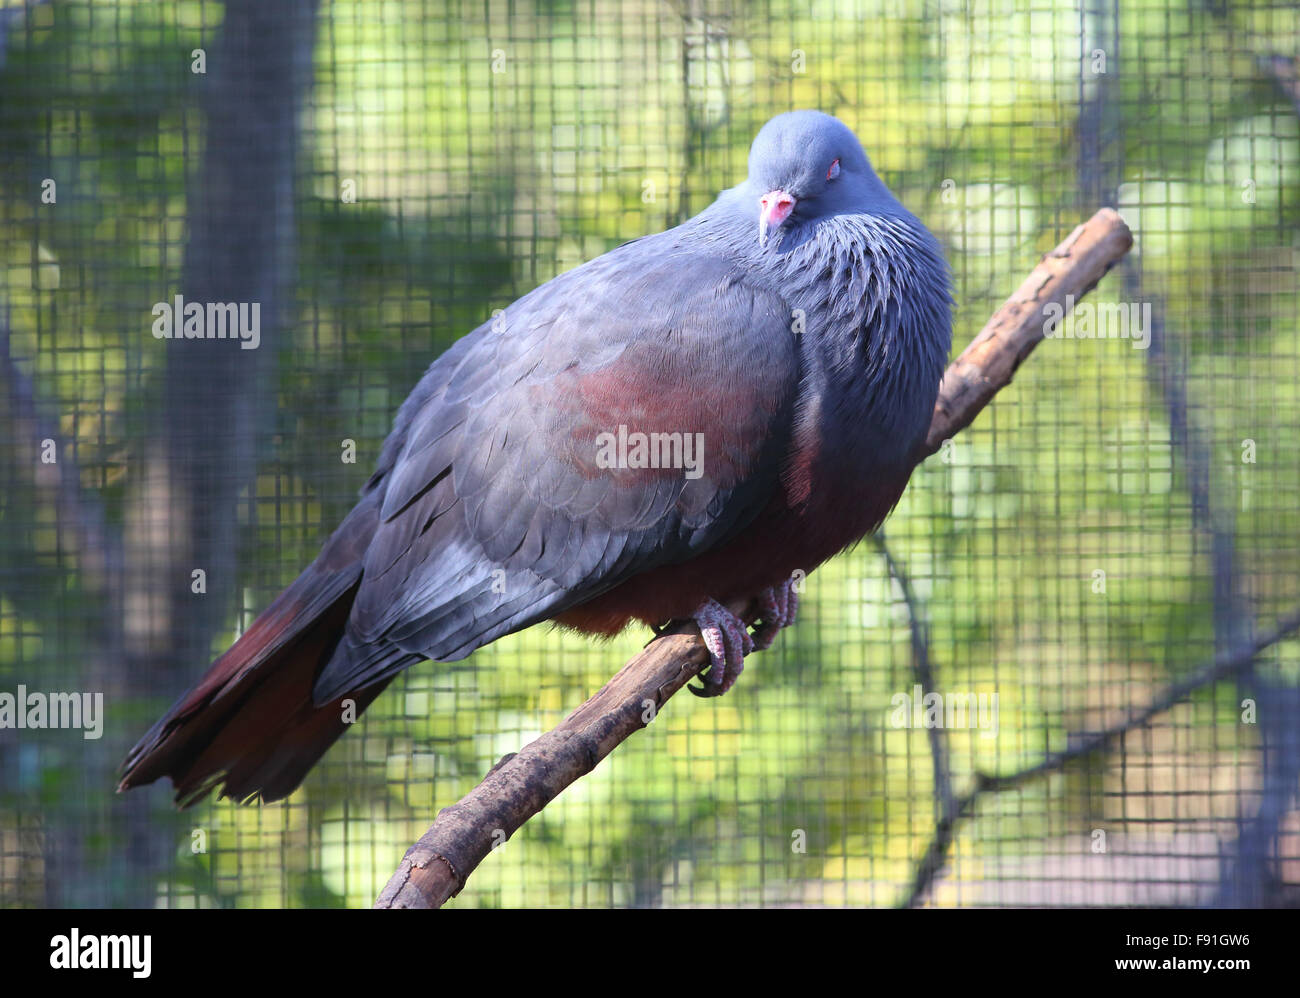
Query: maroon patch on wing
[[648, 409]]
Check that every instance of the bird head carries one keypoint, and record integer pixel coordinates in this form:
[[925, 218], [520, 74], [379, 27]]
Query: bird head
[[805, 165]]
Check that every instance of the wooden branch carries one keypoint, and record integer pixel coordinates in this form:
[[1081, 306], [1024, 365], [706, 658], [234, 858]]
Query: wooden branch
[[523, 783], [436, 868], [923, 672], [985, 367], [1224, 665]]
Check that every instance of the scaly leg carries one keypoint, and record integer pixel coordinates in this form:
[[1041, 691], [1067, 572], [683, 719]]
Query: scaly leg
[[779, 606], [728, 641]]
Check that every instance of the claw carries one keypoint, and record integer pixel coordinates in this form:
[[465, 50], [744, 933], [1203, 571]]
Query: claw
[[728, 641], [779, 606]]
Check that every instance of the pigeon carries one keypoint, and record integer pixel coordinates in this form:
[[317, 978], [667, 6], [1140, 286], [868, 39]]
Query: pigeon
[[695, 418]]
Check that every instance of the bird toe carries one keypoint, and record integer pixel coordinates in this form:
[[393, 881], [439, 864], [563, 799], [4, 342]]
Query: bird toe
[[778, 607], [728, 642]]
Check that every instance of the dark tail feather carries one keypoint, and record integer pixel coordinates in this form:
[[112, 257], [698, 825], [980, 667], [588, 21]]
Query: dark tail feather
[[250, 725]]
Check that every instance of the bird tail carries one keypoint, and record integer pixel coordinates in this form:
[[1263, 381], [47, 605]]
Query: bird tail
[[250, 723]]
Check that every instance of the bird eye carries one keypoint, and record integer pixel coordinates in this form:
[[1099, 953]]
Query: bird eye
[[833, 171]]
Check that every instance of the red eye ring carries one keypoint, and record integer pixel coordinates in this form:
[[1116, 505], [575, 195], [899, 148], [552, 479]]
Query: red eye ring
[[833, 170]]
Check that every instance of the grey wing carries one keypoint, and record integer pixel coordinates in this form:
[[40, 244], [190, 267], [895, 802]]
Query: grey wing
[[501, 507]]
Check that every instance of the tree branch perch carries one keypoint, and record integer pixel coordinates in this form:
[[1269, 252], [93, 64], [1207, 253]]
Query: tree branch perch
[[436, 867]]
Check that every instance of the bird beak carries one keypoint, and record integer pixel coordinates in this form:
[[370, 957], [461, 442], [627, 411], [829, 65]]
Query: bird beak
[[774, 207]]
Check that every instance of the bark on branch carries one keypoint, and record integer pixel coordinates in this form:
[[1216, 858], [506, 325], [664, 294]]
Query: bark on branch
[[985, 367], [436, 868]]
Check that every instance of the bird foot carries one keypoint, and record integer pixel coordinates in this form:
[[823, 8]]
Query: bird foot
[[778, 607], [728, 641]]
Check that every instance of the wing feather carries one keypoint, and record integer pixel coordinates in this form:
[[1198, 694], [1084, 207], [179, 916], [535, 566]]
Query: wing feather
[[497, 511]]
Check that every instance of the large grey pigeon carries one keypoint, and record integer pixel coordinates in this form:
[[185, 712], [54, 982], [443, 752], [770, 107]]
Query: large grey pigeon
[[690, 419]]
